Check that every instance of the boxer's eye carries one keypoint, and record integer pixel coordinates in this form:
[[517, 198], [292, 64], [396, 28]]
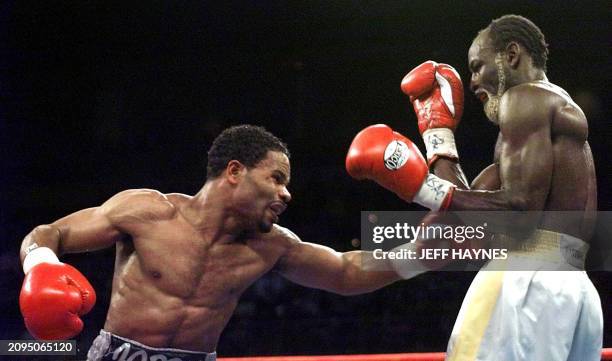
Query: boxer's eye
[[475, 66], [278, 178]]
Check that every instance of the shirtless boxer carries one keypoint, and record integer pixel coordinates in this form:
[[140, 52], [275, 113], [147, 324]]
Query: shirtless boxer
[[542, 162], [182, 262]]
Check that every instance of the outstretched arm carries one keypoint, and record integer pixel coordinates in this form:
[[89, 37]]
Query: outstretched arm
[[347, 273]]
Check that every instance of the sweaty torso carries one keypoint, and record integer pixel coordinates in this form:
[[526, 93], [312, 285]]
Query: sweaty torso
[[573, 183], [175, 288]]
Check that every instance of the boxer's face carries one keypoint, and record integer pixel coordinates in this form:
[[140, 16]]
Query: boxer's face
[[488, 74], [265, 190]]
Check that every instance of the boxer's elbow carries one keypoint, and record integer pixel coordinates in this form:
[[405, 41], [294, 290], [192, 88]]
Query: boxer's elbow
[[518, 202], [353, 293], [528, 194], [526, 199], [525, 214], [349, 289], [350, 280], [343, 284], [365, 285], [351, 277], [357, 282]]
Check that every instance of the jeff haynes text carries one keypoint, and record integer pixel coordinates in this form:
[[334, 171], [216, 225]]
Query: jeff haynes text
[[442, 253]]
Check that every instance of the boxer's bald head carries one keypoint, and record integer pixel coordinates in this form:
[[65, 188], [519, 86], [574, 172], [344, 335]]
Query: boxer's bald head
[[247, 144]]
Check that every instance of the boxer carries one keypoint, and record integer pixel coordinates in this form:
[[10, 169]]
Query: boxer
[[542, 162], [182, 261]]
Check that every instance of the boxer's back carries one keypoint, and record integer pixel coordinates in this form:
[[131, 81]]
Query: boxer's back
[[573, 183]]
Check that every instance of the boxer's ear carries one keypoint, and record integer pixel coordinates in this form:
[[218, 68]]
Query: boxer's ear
[[513, 54], [234, 171]]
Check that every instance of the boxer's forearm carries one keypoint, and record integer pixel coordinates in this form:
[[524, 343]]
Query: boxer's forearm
[[511, 214], [345, 273], [483, 200], [451, 171], [41, 236], [363, 273]]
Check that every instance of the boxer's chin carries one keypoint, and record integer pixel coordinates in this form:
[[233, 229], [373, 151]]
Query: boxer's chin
[[491, 108]]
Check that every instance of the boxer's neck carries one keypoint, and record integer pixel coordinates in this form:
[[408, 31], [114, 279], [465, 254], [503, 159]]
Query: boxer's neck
[[526, 73], [208, 212]]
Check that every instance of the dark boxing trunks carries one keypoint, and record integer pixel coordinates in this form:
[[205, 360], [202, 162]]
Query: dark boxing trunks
[[109, 347]]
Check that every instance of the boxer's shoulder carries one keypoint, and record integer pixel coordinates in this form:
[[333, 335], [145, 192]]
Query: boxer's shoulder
[[527, 106], [139, 205], [528, 96], [542, 104], [278, 244], [543, 95], [280, 235], [280, 239], [568, 117]]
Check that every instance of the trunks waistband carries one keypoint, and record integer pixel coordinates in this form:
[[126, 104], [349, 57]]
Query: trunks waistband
[[108, 346], [547, 246]]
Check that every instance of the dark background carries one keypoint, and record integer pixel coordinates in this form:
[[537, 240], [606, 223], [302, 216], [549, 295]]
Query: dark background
[[99, 97]]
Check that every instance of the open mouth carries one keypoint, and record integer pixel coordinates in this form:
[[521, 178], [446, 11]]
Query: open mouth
[[278, 207], [482, 95]]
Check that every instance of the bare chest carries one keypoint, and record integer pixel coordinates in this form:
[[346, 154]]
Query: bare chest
[[178, 262]]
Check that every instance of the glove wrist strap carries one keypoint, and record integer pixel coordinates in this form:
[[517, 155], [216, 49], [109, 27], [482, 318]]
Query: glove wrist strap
[[407, 268], [435, 193], [37, 256], [440, 142]]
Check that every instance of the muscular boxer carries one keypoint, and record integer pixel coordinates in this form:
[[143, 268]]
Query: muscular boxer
[[182, 262], [542, 162]]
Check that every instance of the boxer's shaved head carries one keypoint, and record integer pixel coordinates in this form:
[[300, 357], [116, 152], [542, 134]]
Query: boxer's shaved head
[[247, 144]]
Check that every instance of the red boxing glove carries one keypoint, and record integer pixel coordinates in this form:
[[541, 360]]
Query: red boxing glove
[[393, 161], [52, 298], [436, 93]]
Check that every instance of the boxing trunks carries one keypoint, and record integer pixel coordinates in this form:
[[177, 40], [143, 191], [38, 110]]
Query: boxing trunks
[[538, 304], [115, 348]]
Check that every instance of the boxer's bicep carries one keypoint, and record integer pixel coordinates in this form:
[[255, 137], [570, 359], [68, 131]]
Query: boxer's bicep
[[86, 230], [312, 265], [321, 267], [100, 227]]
